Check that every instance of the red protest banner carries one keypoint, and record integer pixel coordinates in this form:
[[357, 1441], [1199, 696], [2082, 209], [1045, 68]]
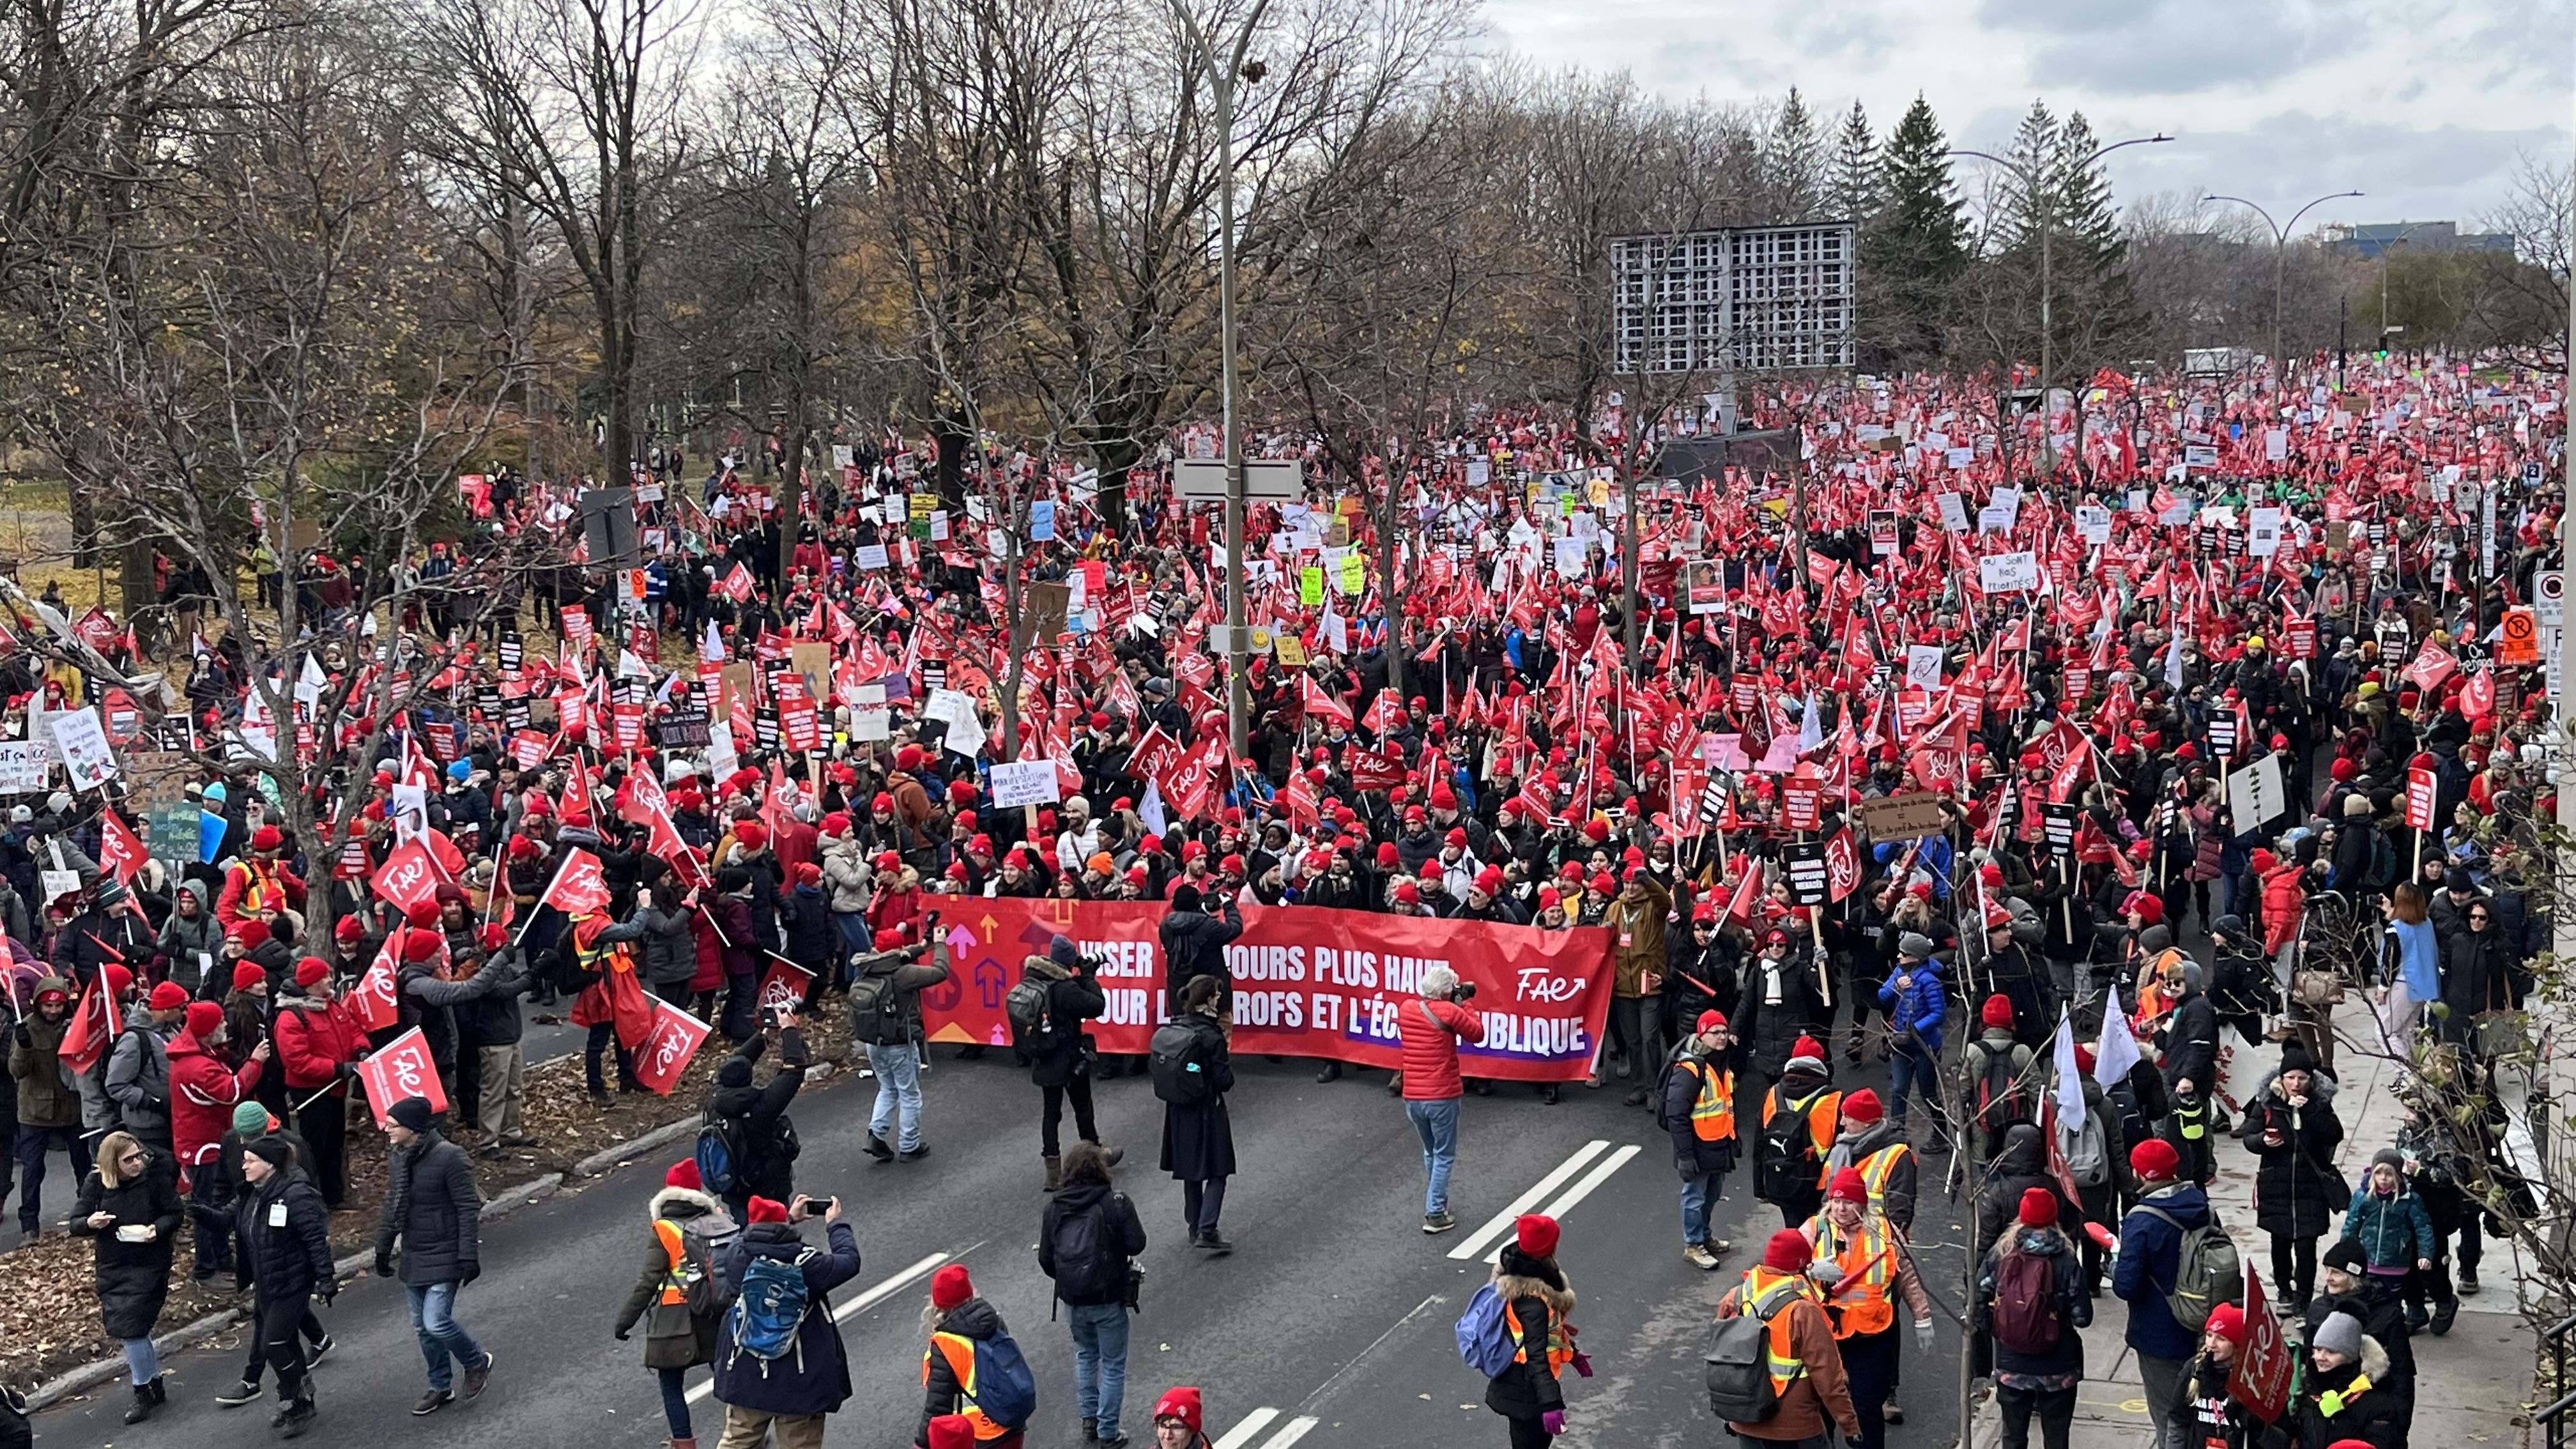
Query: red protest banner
[[119, 852], [668, 1047], [1842, 863], [1307, 981], [2265, 1365], [408, 877], [398, 1069], [92, 1030], [784, 986], [373, 997], [578, 888], [1802, 804], [2420, 790]]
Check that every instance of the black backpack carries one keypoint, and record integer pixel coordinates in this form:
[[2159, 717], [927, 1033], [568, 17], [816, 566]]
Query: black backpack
[[2001, 1099], [877, 1014], [1032, 1024], [1789, 1163], [1087, 1264], [1173, 1056]]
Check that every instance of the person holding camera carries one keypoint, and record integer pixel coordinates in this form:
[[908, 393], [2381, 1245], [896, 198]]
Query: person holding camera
[[1046, 1025], [754, 1119], [1087, 1241], [780, 1366], [1430, 1033]]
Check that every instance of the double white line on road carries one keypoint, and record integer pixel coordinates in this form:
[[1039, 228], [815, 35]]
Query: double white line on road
[[1487, 1241], [1242, 1435], [865, 1301]]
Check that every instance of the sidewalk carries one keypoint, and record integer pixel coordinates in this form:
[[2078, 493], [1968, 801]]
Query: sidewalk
[[2473, 1382]]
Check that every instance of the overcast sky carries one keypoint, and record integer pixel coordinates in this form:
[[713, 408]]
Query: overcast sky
[[2421, 107]]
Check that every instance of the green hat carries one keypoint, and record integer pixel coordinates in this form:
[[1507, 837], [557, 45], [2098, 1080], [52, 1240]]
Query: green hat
[[250, 1117]]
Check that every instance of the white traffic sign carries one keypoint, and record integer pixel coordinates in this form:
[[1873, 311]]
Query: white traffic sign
[[1202, 480], [2548, 594]]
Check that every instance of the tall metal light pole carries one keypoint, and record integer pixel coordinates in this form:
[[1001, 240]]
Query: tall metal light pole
[[2046, 202], [2281, 250], [1221, 77]]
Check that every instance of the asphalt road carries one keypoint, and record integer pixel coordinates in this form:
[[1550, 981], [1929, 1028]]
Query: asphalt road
[[1329, 1326]]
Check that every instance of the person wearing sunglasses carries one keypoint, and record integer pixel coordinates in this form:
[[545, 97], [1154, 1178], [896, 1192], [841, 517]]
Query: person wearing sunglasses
[[130, 1205]]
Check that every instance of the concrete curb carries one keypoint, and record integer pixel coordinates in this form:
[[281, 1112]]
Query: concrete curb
[[90, 1375], [611, 1158]]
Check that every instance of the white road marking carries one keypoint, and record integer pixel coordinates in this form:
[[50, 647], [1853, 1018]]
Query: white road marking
[[1501, 1223], [1243, 1433], [1581, 1190], [1296, 1430], [865, 1301]]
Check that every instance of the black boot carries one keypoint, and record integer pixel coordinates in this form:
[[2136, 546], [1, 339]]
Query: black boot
[[1332, 1072], [143, 1405]]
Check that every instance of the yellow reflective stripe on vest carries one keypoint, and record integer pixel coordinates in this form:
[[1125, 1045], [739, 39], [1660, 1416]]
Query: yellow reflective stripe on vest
[[1877, 1168], [676, 1277], [1868, 1262], [1713, 1108], [1779, 1357]]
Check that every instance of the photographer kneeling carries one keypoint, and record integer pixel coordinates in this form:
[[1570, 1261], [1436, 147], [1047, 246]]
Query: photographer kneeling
[[1431, 1030]]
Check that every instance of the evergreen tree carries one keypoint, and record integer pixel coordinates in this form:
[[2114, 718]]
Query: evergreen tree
[[2027, 197], [2090, 258], [1854, 181], [1793, 156], [1912, 253]]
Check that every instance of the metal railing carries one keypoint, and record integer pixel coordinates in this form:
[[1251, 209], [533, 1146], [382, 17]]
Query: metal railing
[[2553, 1416]]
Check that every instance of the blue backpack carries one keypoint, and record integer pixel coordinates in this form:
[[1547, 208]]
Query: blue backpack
[[1483, 1339], [718, 1160], [1004, 1388], [768, 1306]]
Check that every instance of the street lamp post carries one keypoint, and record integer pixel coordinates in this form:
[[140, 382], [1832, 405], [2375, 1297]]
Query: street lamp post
[[2281, 250], [2046, 202], [1221, 78]]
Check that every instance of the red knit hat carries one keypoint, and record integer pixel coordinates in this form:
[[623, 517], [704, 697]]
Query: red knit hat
[[950, 1286], [950, 1431], [247, 974], [1182, 1404], [204, 1018], [1863, 1106], [2155, 1159], [168, 996], [2227, 1321], [684, 1173], [311, 970], [1788, 1252], [350, 928], [252, 932], [2038, 1207], [1535, 1234], [1997, 1012], [766, 1210], [1849, 1185]]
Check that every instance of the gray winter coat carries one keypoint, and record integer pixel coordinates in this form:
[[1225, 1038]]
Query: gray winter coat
[[187, 942], [846, 876], [670, 950], [138, 1078], [432, 1206]]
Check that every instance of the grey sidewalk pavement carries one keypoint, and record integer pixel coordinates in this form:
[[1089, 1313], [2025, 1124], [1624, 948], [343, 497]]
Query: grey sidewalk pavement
[[2474, 1382]]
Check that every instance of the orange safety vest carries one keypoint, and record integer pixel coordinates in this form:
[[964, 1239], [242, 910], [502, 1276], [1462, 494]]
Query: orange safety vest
[[1759, 1282], [959, 1351], [1713, 1105], [677, 1277], [1560, 1341], [1875, 1170], [1824, 1121], [256, 887], [1859, 1303]]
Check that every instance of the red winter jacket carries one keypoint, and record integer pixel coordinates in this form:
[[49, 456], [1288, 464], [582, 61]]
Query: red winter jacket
[[203, 1093], [314, 1041], [1431, 1053], [2283, 900]]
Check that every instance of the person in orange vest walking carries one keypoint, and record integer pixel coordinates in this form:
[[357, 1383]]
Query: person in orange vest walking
[[1863, 1270], [1698, 1108], [1806, 1363], [1801, 1117], [972, 1367], [1537, 1297], [676, 1339], [1890, 1174]]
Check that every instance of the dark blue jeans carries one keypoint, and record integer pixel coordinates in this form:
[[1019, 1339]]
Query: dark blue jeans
[[32, 1145]]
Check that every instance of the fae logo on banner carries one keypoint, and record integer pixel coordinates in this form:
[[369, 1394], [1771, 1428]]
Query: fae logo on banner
[[398, 1069], [668, 1047], [1307, 981]]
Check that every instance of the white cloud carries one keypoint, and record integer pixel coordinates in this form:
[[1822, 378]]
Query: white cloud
[[2280, 100]]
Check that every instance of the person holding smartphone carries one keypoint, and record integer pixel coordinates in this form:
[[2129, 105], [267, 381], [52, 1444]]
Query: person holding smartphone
[[789, 1393]]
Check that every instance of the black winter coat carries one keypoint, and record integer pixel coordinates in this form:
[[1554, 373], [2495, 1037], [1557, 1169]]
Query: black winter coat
[[1123, 1238], [766, 1131], [432, 1206], [1194, 945], [2296, 1189], [133, 1278], [1198, 1142], [805, 924], [1060, 1054], [289, 1259], [2074, 1305]]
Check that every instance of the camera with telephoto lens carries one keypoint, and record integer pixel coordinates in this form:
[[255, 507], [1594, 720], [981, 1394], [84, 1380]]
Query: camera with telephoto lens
[[1466, 991]]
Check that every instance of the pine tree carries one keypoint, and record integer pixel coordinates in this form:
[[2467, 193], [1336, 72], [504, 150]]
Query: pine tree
[[1912, 254], [2031, 189], [2099, 314], [1794, 160], [1854, 182]]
